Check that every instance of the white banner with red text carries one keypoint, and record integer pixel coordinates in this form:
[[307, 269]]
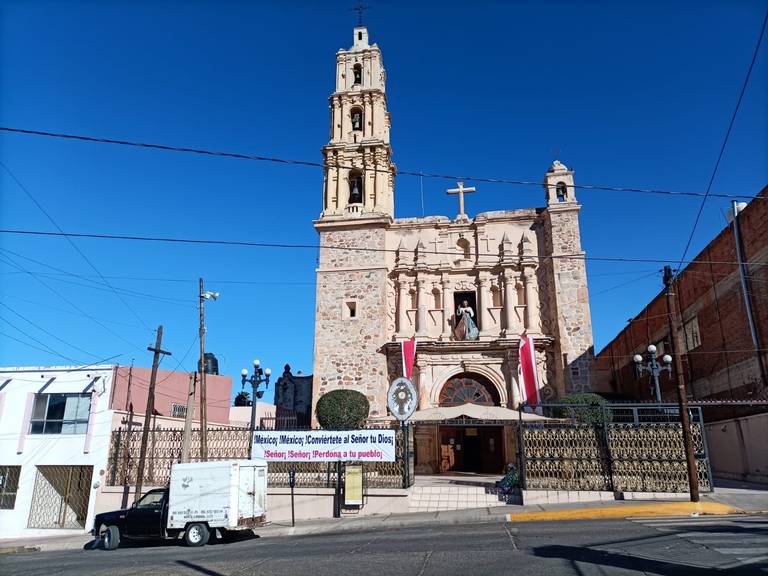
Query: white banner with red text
[[325, 446]]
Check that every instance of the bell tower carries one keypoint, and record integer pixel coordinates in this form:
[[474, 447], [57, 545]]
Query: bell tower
[[359, 173]]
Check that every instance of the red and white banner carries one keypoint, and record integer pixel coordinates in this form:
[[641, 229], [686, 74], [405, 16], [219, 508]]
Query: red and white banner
[[527, 375], [409, 355]]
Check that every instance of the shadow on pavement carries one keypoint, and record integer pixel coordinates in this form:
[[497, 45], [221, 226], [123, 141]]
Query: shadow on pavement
[[634, 563], [198, 568]]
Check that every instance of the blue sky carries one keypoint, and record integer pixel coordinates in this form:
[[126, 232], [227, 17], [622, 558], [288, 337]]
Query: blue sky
[[631, 94]]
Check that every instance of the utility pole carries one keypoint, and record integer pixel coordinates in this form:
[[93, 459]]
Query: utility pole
[[188, 417], [203, 400], [150, 409], [682, 398]]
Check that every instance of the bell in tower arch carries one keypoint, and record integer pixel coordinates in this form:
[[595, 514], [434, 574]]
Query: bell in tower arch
[[355, 188]]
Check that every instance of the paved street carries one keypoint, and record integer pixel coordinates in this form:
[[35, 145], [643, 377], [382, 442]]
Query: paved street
[[690, 546]]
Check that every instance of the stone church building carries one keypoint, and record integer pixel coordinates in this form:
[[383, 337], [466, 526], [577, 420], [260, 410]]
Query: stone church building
[[383, 279]]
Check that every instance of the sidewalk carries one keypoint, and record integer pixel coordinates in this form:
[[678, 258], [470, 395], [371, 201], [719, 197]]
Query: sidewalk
[[718, 504]]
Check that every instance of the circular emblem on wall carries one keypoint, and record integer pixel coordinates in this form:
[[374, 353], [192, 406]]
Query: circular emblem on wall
[[402, 398]]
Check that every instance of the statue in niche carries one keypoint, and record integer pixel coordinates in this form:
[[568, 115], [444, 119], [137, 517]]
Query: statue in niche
[[466, 329]]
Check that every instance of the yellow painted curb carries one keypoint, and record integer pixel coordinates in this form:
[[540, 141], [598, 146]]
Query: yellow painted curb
[[625, 511]]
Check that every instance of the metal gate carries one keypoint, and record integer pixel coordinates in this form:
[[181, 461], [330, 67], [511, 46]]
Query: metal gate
[[60, 498]]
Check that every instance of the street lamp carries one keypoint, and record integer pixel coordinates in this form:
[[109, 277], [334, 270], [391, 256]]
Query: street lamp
[[259, 376], [653, 367]]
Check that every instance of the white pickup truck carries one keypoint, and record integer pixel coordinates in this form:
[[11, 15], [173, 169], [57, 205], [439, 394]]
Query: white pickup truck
[[202, 497]]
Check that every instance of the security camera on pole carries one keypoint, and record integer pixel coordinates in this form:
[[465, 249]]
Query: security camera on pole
[[204, 295]]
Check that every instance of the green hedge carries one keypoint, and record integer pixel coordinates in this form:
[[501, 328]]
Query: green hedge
[[586, 415], [342, 410]]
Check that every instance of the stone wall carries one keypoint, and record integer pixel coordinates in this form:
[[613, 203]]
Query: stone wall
[[569, 314], [347, 344]]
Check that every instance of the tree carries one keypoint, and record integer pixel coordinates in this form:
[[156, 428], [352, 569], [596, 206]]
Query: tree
[[243, 399], [342, 410], [594, 412]]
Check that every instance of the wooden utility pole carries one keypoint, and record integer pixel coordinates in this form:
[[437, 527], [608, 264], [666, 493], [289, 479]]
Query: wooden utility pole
[[682, 397], [203, 400], [188, 417], [150, 409]]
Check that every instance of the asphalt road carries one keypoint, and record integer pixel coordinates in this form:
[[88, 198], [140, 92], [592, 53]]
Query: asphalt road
[[689, 546]]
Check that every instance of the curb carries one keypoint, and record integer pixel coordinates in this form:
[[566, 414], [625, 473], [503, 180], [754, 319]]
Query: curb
[[19, 549], [610, 512]]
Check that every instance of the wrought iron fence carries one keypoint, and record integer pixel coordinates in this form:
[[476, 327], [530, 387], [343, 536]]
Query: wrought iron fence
[[164, 449], [60, 497], [630, 448]]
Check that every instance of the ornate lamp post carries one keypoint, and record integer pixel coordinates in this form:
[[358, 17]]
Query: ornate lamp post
[[653, 367], [258, 378]]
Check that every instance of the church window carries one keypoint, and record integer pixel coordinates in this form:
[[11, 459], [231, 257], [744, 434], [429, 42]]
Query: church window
[[468, 388], [562, 192], [351, 309], [355, 187], [359, 35], [356, 115], [358, 73]]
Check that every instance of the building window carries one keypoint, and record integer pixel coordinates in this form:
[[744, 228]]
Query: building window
[[351, 309], [179, 411], [692, 336], [356, 115], [9, 484], [358, 72], [60, 414]]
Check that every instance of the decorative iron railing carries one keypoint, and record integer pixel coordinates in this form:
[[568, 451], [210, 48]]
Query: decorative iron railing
[[627, 448], [164, 449]]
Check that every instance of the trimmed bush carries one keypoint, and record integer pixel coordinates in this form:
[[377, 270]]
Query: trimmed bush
[[584, 414], [342, 410]]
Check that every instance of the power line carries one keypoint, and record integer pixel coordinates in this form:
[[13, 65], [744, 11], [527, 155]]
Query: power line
[[275, 245], [725, 140], [51, 334], [28, 335], [419, 173], [91, 264], [68, 301]]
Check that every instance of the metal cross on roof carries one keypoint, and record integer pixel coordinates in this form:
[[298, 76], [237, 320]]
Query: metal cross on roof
[[360, 8]]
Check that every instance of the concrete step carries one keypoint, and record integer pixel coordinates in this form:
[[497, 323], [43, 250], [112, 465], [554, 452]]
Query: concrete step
[[437, 498]]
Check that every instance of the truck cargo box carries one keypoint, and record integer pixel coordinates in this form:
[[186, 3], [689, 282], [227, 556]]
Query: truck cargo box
[[228, 494]]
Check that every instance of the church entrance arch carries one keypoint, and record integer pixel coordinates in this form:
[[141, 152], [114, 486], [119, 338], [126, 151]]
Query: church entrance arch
[[472, 447]]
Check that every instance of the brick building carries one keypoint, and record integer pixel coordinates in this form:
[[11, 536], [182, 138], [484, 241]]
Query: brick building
[[721, 362]]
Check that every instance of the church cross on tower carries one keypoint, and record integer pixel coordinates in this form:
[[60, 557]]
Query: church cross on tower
[[360, 8], [461, 191]]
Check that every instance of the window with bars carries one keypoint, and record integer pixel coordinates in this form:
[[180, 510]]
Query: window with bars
[[60, 414], [9, 484], [179, 410]]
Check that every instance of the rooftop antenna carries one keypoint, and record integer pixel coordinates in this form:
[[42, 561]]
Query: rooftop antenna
[[360, 8]]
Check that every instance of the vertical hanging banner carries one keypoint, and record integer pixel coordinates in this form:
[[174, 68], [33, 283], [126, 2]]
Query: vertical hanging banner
[[527, 375], [409, 355]]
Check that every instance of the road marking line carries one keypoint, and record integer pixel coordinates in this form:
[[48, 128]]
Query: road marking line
[[511, 537], [424, 565], [742, 551]]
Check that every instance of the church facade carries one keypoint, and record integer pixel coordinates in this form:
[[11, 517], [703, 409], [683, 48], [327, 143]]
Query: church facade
[[382, 279]]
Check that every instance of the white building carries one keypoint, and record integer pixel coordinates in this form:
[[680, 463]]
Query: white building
[[55, 426]]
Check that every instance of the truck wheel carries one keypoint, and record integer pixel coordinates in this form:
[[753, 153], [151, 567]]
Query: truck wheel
[[196, 535], [110, 537]]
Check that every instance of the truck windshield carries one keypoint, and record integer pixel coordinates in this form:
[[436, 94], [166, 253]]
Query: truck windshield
[[151, 500]]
